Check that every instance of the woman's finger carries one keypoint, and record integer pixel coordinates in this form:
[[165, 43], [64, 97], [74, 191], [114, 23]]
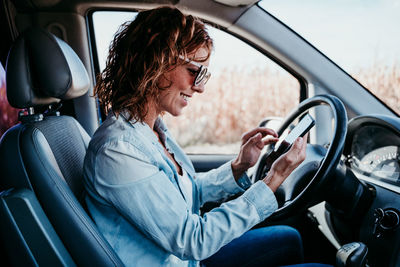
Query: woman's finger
[[254, 140], [270, 140], [262, 130]]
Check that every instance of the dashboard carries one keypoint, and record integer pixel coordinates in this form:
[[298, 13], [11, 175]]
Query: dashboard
[[372, 155], [375, 152], [372, 149]]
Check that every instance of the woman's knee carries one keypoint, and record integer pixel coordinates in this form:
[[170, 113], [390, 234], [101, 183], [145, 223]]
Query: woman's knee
[[280, 231], [290, 233], [288, 239]]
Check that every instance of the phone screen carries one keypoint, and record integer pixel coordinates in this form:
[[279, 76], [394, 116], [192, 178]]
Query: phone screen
[[284, 144], [305, 124]]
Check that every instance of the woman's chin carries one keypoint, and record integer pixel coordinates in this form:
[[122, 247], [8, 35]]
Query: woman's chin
[[176, 113]]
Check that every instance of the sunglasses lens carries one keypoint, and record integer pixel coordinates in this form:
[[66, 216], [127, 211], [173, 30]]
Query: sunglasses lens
[[201, 76], [206, 78]]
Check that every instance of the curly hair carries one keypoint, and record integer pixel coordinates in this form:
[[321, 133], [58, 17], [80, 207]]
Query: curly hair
[[142, 52]]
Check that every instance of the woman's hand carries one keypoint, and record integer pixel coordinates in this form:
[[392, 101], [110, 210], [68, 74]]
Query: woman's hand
[[252, 144], [286, 163]]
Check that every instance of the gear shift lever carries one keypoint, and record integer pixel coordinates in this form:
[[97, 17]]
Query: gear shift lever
[[352, 255]]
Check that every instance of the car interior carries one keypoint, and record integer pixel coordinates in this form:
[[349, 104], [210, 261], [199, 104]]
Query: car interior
[[343, 199]]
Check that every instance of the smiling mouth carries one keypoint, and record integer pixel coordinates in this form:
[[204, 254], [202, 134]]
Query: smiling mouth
[[185, 97]]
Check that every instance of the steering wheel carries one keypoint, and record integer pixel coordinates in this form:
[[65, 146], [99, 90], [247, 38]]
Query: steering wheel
[[299, 190]]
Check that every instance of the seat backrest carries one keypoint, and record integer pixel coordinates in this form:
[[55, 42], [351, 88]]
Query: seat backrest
[[45, 152]]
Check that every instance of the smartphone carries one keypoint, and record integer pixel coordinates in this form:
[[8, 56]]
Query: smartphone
[[284, 144], [305, 124]]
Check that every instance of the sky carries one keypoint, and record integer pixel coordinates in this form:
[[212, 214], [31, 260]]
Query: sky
[[353, 33]]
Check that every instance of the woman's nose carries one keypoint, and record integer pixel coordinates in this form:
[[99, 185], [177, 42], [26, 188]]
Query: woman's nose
[[198, 88]]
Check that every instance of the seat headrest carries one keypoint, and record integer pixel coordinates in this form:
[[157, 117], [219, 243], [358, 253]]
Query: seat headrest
[[42, 70]]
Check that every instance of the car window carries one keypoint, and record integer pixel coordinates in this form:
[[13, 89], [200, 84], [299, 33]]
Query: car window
[[361, 36], [245, 87], [8, 114]]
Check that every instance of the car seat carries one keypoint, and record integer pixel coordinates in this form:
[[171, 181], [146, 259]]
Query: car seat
[[42, 215]]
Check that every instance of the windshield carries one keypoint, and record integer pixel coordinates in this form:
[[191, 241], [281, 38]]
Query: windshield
[[361, 36]]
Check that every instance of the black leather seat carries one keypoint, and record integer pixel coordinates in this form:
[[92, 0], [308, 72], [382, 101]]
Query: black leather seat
[[42, 217]]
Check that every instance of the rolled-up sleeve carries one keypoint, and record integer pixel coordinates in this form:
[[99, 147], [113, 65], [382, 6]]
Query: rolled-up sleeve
[[147, 198]]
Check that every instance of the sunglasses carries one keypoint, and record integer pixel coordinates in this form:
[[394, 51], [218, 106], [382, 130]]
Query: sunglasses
[[202, 74]]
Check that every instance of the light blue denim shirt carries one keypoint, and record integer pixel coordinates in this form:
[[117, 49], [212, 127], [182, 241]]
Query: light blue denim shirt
[[139, 205]]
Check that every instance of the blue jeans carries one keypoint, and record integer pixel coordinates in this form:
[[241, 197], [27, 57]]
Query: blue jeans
[[267, 246]]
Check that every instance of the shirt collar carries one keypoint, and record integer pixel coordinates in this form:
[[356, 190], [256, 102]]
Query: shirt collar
[[161, 129], [159, 126]]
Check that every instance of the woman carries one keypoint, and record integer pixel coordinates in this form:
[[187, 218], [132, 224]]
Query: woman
[[143, 192]]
